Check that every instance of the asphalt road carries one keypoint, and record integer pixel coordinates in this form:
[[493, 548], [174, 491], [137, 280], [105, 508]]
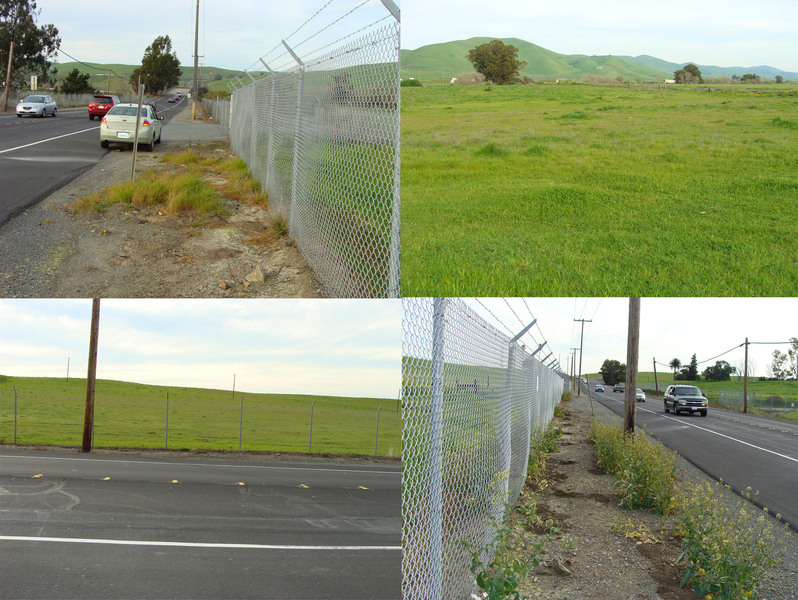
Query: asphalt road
[[743, 450], [40, 155], [101, 526]]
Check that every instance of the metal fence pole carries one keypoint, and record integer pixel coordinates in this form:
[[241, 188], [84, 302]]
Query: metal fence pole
[[436, 451], [297, 132], [15, 415], [310, 441], [377, 433]]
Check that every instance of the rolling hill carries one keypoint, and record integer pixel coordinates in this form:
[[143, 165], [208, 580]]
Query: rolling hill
[[445, 60]]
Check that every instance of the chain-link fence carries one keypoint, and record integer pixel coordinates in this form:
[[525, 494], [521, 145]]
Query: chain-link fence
[[323, 139], [472, 399], [773, 405]]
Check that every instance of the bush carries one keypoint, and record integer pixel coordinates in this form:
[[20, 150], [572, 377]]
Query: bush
[[645, 472], [728, 544], [411, 83]]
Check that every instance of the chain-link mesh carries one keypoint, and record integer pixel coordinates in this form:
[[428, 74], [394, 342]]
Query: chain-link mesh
[[472, 399], [323, 139]]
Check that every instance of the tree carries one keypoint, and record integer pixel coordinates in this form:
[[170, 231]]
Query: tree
[[690, 372], [721, 371], [160, 68], [497, 61], [792, 354], [75, 83], [33, 46], [779, 79], [612, 372], [750, 78], [778, 368], [688, 74], [675, 364]]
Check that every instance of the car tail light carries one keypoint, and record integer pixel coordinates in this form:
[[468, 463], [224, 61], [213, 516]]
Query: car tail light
[[103, 122], [146, 123]]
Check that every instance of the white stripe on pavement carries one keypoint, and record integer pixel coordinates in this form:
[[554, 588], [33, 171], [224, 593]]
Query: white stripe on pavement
[[49, 139], [25, 538]]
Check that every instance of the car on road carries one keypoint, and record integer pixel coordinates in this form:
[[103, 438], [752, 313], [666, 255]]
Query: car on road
[[37, 105], [599, 387], [619, 387], [685, 398], [640, 395], [119, 125], [100, 104], [174, 99]]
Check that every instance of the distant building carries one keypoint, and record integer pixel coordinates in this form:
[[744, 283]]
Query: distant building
[[670, 81]]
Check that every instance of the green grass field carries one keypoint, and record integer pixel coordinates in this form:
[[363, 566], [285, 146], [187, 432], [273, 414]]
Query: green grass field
[[50, 411], [582, 190]]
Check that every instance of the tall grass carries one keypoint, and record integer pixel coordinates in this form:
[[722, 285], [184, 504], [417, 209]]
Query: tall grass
[[597, 190]]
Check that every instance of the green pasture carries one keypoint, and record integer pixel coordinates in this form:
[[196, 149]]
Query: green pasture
[[50, 411], [583, 190]]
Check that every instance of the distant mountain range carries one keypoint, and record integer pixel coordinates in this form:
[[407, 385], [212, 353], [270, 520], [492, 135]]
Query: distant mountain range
[[449, 59]]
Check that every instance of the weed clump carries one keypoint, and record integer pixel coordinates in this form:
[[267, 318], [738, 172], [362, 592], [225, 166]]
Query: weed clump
[[728, 544], [645, 472], [491, 150]]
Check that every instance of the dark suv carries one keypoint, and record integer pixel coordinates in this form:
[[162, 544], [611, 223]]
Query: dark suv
[[101, 104], [687, 398]]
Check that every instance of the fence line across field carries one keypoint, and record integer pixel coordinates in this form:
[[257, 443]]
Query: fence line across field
[[226, 441], [473, 399], [322, 137]]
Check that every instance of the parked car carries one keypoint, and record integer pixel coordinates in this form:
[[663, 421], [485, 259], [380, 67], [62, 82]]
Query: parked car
[[37, 105], [119, 125], [619, 387], [685, 398], [640, 395], [100, 104], [599, 388]]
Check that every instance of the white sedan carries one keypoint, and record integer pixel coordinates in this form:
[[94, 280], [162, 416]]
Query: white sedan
[[119, 125], [37, 105]]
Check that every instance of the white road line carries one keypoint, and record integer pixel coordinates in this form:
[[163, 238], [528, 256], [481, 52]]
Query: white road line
[[49, 139], [101, 461], [26, 538], [723, 435]]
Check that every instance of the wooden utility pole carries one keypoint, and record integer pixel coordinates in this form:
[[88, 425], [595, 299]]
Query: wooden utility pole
[[10, 57], [195, 89], [745, 379], [581, 343], [573, 367], [88, 418], [656, 385], [632, 346]]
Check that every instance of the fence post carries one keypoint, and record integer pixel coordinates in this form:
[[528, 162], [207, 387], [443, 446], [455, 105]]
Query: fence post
[[241, 424], [166, 441], [15, 415], [436, 451], [377, 433], [310, 441], [297, 132]]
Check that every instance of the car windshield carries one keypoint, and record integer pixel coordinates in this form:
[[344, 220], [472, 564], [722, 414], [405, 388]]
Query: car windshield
[[639, 391], [102, 99], [687, 391], [37, 99]]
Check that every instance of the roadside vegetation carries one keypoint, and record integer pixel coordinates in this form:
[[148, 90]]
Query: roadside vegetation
[[194, 182], [130, 415], [599, 190], [727, 543]]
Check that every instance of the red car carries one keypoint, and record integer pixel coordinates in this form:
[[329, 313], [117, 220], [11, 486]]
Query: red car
[[101, 104]]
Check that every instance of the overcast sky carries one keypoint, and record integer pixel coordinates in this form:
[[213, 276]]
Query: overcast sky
[[233, 34], [726, 33], [669, 327], [320, 347]]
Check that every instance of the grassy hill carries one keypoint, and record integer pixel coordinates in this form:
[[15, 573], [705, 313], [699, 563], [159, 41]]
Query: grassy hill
[[440, 62], [50, 411]]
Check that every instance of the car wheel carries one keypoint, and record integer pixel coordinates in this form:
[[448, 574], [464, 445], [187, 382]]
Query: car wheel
[[55, 112], [703, 413], [91, 117], [149, 147], [103, 143]]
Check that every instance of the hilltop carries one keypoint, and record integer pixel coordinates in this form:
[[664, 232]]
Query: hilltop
[[445, 60]]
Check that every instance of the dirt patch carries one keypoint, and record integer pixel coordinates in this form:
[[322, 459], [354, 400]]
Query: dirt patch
[[143, 252]]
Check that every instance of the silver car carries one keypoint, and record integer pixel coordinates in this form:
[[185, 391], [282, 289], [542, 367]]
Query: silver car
[[37, 105], [119, 125]]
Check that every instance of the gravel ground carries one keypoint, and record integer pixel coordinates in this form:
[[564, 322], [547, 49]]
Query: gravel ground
[[599, 563], [126, 252]]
